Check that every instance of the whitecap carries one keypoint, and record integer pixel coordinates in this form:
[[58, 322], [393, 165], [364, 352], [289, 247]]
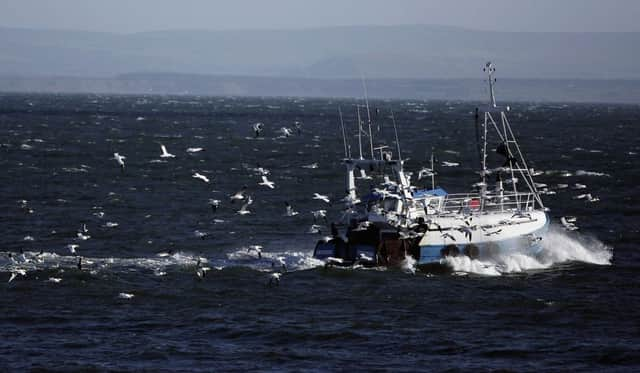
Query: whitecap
[[591, 173], [558, 246]]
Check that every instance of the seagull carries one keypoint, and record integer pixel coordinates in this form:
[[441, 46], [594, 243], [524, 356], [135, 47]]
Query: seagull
[[280, 261], [125, 295], [54, 279], [257, 128], [321, 197], [579, 186], [583, 196], [290, 211], [201, 177], [201, 271], [239, 196], [363, 226], [267, 183], [201, 235], [165, 153], [319, 214], [447, 235], [120, 159], [194, 150], [243, 210], [425, 172], [285, 131], [466, 230], [261, 171], [363, 175], [365, 257], [315, 229], [274, 279], [16, 272], [333, 260], [82, 236], [214, 203], [487, 233], [164, 254], [72, 248], [450, 164], [257, 249], [388, 183], [568, 225]]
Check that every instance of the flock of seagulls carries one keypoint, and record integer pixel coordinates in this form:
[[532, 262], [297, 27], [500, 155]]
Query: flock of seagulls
[[246, 201]]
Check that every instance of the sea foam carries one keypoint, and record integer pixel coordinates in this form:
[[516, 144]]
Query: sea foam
[[558, 246]]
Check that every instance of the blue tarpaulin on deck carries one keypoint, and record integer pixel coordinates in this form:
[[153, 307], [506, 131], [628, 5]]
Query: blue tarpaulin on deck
[[429, 192]]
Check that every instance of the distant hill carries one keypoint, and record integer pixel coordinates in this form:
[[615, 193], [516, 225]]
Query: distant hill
[[416, 51], [508, 90]]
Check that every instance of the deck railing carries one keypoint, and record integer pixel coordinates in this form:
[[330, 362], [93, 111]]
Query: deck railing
[[473, 203]]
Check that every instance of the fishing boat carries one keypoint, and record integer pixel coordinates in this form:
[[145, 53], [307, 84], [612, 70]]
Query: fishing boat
[[396, 221]]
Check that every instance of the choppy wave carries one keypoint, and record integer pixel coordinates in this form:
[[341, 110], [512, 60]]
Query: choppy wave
[[558, 247], [591, 173], [31, 261]]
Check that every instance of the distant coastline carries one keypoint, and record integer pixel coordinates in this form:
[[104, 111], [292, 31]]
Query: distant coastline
[[511, 90]]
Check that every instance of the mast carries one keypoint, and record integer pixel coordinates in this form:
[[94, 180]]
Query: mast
[[490, 69], [509, 148], [359, 132], [366, 101], [395, 129], [344, 135], [433, 172]]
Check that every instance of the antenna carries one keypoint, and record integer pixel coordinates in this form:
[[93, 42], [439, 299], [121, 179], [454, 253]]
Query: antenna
[[433, 172], [477, 123], [344, 135], [359, 131], [366, 101], [395, 129], [490, 69]]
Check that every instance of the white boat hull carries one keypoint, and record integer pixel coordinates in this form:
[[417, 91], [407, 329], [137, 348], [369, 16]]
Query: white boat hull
[[482, 235]]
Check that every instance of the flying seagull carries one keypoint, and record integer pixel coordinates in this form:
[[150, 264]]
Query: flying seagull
[[201, 177], [214, 203], [257, 128], [319, 214], [321, 197], [120, 159], [274, 279], [257, 249], [290, 210], [239, 196], [267, 183], [165, 153], [244, 209]]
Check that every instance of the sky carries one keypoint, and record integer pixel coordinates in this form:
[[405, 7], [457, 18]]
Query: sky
[[129, 16]]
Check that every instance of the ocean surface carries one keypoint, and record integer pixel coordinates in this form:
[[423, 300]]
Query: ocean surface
[[138, 304]]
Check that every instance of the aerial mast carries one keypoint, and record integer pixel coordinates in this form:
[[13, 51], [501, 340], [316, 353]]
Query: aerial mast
[[366, 101], [344, 135], [359, 131]]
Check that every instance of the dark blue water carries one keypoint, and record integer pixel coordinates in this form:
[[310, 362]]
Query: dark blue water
[[571, 308]]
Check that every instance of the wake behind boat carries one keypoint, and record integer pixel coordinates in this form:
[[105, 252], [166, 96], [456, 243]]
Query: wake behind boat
[[396, 220]]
